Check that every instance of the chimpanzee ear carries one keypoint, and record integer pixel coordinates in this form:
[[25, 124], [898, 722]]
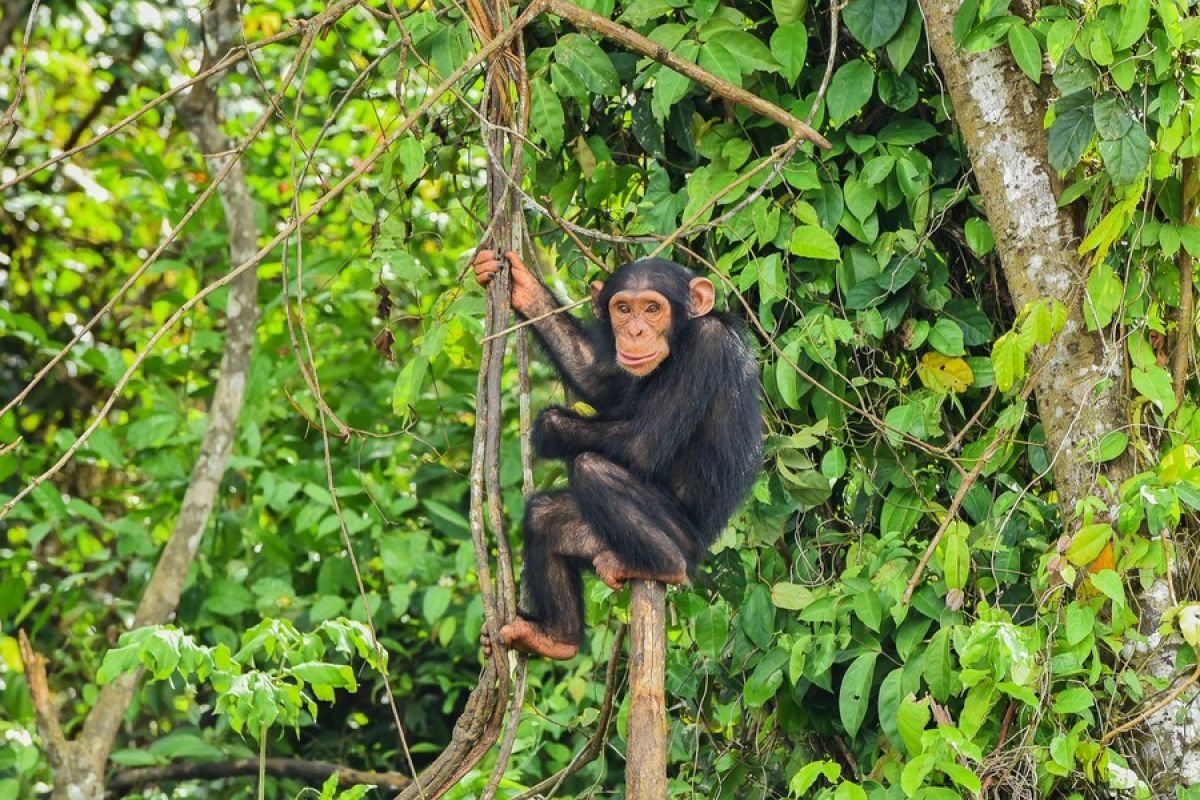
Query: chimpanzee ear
[[702, 295], [597, 288]]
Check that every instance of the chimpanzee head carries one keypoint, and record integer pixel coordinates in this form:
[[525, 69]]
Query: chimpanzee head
[[649, 304]]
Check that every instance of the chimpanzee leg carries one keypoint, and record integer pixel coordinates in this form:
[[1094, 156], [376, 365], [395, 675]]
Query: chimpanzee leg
[[558, 544], [643, 525]]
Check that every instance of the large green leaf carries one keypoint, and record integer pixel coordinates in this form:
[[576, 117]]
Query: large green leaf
[[1127, 157], [874, 22], [1072, 131], [1026, 51], [855, 696], [546, 117], [849, 90], [789, 45], [589, 63]]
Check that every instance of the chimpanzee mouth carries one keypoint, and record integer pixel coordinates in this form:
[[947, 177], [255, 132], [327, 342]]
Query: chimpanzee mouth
[[635, 361]]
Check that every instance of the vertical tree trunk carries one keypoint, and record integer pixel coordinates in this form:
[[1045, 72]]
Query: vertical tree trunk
[[646, 742], [1080, 392], [1080, 389]]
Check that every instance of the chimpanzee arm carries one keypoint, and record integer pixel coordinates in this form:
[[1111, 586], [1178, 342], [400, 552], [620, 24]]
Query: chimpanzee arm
[[572, 350]]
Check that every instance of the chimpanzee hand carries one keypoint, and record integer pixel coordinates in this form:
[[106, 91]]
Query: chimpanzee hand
[[551, 434], [529, 297]]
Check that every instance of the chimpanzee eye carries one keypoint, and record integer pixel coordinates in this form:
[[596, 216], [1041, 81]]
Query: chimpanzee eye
[[652, 308], [623, 308]]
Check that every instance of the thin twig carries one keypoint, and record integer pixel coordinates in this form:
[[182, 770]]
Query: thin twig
[[1171, 697], [595, 744]]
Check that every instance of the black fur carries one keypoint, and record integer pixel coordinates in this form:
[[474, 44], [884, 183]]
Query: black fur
[[659, 470]]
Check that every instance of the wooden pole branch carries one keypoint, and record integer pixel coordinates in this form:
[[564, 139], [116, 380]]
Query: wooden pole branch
[[646, 742], [582, 18]]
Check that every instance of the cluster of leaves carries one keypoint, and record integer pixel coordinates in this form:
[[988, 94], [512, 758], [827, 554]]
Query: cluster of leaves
[[893, 362]]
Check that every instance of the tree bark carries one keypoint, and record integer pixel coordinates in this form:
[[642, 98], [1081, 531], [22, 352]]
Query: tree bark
[[1000, 112], [646, 742], [1079, 388], [79, 775]]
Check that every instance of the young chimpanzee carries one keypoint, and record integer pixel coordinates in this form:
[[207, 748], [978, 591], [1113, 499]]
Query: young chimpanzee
[[654, 476]]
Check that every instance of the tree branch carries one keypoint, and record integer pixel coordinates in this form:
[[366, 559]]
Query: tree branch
[[582, 18]]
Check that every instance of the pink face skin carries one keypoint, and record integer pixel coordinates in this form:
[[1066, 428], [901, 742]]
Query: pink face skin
[[640, 323]]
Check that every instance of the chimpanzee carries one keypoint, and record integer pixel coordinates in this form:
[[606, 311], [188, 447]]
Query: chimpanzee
[[654, 475]]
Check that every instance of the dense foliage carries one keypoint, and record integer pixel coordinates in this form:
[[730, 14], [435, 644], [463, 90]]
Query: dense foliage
[[893, 362]]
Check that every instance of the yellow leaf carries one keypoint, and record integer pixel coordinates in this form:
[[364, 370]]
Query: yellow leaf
[[944, 374], [583, 409]]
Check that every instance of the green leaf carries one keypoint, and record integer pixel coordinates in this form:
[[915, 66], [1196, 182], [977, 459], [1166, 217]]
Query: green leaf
[[946, 337], [766, 679], [324, 674], [712, 630], [747, 50], [150, 431], [907, 131], [1073, 700], [807, 775], [791, 596], [975, 325], [1127, 157], [809, 241], [722, 63], [1072, 131], [757, 616], [789, 11], [436, 601], [902, 46], [1109, 584], [902, 510], [939, 666], [869, 609], [1135, 17], [1088, 542], [409, 155], [874, 22], [789, 45], [849, 90], [1110, 446], [546, 117], [1154, 383], [1104, 294], [1008, 359], [1112, 119], [589, 63], [1026, 51], [119, 661], [1079, 623], [855, 695], [914, 773], [911, 719]]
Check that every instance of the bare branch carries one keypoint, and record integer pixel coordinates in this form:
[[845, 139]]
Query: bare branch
[[640, 44]]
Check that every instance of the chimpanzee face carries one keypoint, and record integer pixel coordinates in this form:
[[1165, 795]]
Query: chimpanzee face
[[641, 322], [646, 311]]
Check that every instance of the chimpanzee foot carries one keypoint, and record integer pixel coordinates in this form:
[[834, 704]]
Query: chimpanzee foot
[[614, 572], [527, 637]]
